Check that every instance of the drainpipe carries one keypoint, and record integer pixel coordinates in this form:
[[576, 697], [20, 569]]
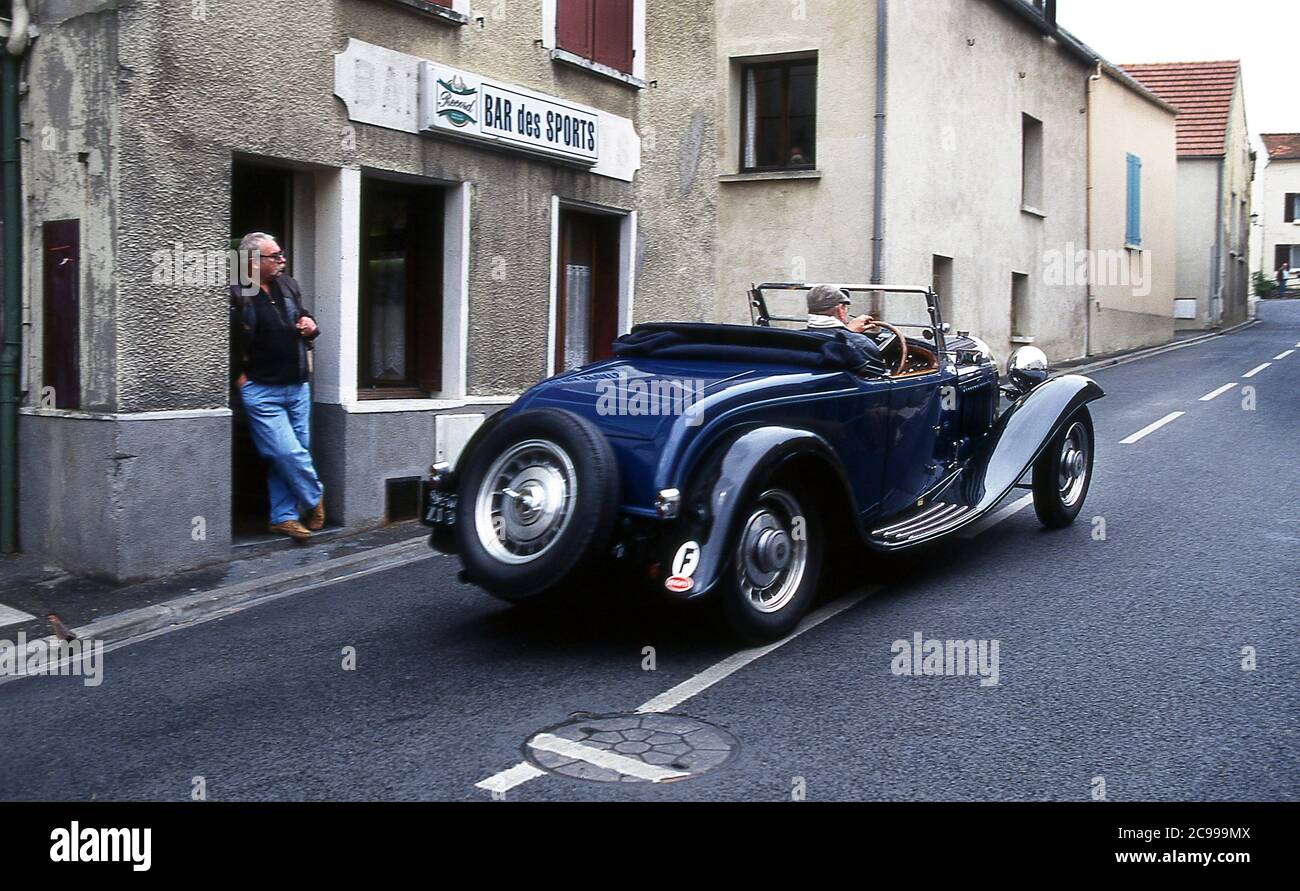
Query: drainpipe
[[1093, 80], [878, 188], [11, 214]]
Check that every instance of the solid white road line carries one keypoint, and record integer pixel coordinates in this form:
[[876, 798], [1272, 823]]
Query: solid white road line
[[1210, 397], [1283, 356], [1006, 513], [629, 767], [11, 616], [523, 772], [1255, 371], [1152, 428]]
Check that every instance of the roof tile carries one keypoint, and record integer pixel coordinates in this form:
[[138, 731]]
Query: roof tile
[[1202, 93]]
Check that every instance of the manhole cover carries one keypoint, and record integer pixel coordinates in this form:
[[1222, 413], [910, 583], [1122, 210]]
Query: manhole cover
[[631, 748]]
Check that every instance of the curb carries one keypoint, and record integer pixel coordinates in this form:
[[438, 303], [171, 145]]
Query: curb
[[1125, 358], [232, 598]]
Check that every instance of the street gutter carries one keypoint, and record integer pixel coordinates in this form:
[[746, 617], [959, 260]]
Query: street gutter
[[1125, 358]]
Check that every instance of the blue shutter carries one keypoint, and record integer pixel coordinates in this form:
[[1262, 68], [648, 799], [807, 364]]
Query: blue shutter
[[1133, 230]]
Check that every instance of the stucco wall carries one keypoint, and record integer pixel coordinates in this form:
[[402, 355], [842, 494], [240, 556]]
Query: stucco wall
[[1132, 293], [801, 229], [1198, 199], [1236, 213], [956, 97]]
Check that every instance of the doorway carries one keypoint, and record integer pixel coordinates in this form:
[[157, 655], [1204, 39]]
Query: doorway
[[587, 288], [261, 200]]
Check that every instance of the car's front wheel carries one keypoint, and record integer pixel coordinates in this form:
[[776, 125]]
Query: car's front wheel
[[1063, 473], [538, 503], [775, 564]]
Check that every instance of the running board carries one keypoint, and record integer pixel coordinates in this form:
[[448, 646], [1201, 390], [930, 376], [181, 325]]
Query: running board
[[929, 522]]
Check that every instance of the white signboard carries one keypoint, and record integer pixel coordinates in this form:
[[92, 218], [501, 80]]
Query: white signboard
[[457, 103]]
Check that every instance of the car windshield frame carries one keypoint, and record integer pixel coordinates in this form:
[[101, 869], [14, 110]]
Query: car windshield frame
[[761, 317]]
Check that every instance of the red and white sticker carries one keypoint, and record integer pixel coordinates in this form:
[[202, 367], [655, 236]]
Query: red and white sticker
[[684, 566], [679, 584]]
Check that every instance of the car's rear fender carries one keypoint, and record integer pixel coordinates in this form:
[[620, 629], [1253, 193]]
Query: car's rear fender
[[730, 477]]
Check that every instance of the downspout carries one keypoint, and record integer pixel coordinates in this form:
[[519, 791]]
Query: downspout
[[1216, 283], [878, 187], [1093, 80], [11, 216]]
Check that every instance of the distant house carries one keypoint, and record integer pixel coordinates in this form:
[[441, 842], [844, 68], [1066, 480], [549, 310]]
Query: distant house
[[1278, 204], [1132, 227], [1214, 180]]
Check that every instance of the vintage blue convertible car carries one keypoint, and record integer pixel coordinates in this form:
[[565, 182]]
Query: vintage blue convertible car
[[724, 461]]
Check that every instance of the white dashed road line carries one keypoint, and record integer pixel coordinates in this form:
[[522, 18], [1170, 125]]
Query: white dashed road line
[[524, 772], [1283, 356], [1152, 428], [1210, 397], [11, 616], [1255, 371]]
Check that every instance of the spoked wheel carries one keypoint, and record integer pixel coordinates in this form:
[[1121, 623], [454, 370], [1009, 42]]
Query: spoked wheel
[[1063, 473], [538, 501], [775, 564]]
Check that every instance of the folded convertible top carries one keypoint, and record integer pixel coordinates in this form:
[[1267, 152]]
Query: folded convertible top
[[819, 350]]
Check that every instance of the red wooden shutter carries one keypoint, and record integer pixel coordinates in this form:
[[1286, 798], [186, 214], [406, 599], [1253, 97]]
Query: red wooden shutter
[[446, 3], [573, 26], [613, 34]]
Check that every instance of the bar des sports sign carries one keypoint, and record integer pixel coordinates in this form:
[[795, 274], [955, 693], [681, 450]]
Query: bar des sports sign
[[459, 104]]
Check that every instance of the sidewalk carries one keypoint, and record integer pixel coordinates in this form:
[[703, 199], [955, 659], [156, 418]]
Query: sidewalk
[[255, 570]]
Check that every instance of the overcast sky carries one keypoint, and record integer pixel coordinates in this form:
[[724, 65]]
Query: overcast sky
[[1263, 34]]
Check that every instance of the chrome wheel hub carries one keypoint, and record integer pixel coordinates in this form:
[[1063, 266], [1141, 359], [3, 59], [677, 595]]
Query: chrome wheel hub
[[770, 560], [525, 501], [1074, 465]]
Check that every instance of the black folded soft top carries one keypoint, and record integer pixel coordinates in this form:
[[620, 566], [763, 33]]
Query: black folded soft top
[[819, 350]]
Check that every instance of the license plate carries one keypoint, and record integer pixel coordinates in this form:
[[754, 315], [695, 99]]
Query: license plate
[[440, 508]]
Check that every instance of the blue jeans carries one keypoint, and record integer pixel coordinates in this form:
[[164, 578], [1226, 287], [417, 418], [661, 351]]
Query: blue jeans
[[279, 419]]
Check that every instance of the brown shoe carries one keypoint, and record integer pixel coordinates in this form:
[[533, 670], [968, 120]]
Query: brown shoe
[[292, 528], [316, 519]]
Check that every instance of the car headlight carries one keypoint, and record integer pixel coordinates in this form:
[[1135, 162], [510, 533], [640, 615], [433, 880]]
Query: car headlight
[[1027, 368]]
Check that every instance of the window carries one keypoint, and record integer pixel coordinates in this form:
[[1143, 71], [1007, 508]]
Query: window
[[599, 30], [779, 115], [1286, 253], [61, 322], [400, 351], [1133, 226], [1031, 163], [941, 278], [1020, 320], [587, 289], [1292, 208]]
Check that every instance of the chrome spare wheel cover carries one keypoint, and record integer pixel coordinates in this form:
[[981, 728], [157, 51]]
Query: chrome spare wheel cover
[[525, 501], [770, 558], [1074, 464]]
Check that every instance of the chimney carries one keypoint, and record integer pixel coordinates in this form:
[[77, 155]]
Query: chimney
[[1050, 14]]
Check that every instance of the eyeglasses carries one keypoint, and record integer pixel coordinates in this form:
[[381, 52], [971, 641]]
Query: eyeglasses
[[278, 255]]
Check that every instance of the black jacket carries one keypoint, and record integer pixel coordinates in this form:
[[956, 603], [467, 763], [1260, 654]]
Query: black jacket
[[244, 334]]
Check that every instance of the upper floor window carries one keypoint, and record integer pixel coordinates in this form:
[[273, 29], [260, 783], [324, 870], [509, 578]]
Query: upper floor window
[[779, 115], [1031, 167], [1292, 207], [1133, 224], [599, 30]]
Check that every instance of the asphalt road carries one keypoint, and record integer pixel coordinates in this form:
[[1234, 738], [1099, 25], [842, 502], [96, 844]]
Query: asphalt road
[[1119, 659]]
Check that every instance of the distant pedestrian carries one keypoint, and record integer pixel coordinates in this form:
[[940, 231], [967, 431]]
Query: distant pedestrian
[[272, 334], [1283, 273]]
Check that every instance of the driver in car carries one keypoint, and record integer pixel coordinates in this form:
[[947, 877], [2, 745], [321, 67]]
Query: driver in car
[[828, 310]]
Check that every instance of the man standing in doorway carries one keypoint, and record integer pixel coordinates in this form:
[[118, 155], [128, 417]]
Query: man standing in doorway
[[272, 335]]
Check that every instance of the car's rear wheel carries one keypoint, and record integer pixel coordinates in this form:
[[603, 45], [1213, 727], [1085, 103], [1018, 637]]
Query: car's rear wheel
[[775, 564], [1063, 473], [538, 501]]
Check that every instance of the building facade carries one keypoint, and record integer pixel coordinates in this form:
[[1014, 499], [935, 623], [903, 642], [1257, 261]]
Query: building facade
[[1215, 169], [470, 201], [1132, 236], [1278, 206], [958, 158]]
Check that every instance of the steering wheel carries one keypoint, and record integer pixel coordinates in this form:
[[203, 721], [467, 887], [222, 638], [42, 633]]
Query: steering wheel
[[902, 345]]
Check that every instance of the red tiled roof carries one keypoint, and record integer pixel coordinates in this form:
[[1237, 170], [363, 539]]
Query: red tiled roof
[[1202, 93], [1282, 146]]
